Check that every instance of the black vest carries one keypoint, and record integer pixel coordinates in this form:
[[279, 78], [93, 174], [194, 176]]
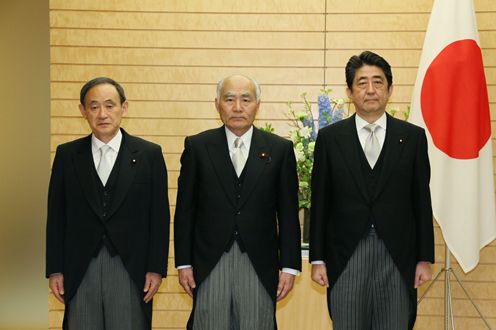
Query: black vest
[[371, 175], [238, 185], [106, 194]]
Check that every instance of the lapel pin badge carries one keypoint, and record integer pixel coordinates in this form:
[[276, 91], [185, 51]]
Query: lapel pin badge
[[265, 156], [133, 161]]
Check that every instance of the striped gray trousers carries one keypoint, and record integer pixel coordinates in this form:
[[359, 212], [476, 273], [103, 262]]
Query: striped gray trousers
[[232, 297], [107, 298], [370, 293]]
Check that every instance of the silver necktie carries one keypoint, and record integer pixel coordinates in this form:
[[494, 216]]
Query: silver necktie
[[104, 168], [238, 158], [372, 147]]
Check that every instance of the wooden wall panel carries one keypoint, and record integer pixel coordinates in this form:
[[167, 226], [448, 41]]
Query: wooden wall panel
[[393, 6], [255, 6], [184, 75], [385, 22], [213, 58], [184, 21], [185, 39], [169, 54]]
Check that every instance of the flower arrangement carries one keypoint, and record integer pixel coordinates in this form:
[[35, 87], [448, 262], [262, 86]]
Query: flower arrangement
[[304, 134]]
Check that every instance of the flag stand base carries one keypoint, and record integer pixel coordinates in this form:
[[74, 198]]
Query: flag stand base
[[449, 322]]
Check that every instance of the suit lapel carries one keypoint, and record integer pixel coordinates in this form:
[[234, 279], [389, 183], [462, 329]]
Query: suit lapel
[[84, 165], [394, 143], [349, 145], [255, 164], [129, 161], [218, 151]]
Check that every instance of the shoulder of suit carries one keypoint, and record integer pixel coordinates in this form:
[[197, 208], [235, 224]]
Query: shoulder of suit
[[208, 135], [337, 126], [403, 124], [74, 144], [140, 142]]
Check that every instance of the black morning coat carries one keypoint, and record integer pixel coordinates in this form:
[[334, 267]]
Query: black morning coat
[[265, 212], [137, 222], [342, 209]]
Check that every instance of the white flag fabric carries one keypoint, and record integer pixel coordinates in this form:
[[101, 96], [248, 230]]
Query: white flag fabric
[[450, 101]]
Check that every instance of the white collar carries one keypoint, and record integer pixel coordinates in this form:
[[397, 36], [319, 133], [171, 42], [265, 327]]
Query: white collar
[[246, 138], [361, 123], [115, 143]]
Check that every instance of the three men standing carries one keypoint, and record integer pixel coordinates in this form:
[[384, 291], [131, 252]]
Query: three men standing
[[108, 219], [236, 228]]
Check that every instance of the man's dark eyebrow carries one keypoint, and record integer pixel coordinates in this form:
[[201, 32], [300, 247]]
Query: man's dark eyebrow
[[106, 101], [373, 77]]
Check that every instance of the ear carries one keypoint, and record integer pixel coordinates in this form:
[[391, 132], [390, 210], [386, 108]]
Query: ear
[[82, 110], [125, 106], [349, 93], [258, 107], [217, 106], [390, 89]]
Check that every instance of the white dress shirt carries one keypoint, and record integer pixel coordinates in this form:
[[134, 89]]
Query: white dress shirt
[[363, 133], [245, 138], [114, 144]]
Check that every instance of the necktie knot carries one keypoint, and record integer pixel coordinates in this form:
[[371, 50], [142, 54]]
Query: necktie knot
[[371, 128], [238, 143], [105, 149]]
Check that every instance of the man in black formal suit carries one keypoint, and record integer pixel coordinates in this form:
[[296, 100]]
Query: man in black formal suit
[[236, 221], [371, 236], [108, 219]]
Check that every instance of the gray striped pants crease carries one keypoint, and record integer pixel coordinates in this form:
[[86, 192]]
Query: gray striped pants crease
[[232, 297], [370, 293]]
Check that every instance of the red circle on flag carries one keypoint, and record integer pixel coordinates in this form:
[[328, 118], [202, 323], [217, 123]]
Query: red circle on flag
[[454, 100]]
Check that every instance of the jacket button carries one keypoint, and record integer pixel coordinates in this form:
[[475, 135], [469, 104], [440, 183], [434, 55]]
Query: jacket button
[[238, 196], [238, 213], [104, 214]]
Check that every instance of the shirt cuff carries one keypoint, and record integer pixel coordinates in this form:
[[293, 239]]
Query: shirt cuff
[[184, 267], [318, 262], [291, 271]]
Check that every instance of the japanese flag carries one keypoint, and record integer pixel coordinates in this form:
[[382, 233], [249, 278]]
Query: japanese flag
[[450, 101]]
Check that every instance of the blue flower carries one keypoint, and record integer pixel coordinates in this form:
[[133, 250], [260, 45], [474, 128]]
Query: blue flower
[[325, 110], [308, 122], [337, 115]]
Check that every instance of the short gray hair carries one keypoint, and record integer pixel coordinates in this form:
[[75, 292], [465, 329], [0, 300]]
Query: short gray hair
[[258, 91]]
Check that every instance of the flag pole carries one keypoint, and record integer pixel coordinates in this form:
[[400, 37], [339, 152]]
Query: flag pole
[[448, 304], [449, 321]]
